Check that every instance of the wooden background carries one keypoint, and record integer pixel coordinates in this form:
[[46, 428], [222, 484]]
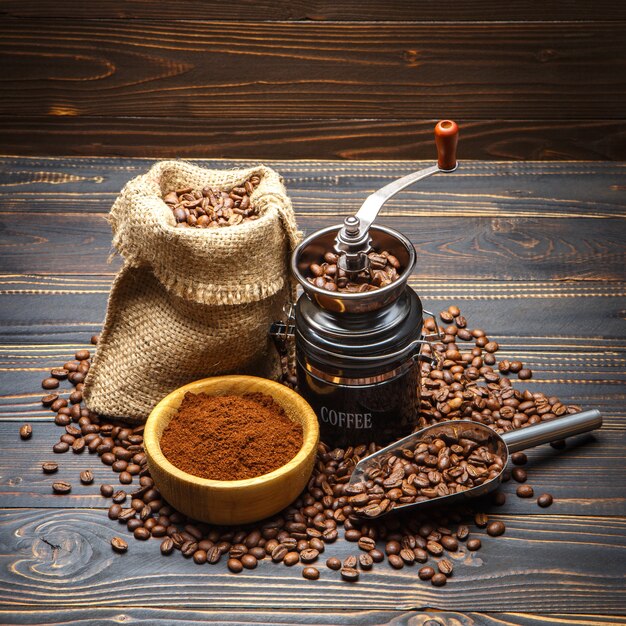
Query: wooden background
[[290, 79], [532, 252]]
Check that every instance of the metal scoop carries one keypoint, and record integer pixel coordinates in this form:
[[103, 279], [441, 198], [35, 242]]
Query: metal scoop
[[500, 445]]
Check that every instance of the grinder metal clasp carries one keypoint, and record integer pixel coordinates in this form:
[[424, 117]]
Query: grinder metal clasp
[[353, 241]]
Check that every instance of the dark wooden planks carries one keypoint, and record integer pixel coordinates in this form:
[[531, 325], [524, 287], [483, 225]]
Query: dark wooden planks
[[167, 616], [576, 477], [76, 242], [318, 10], [308, 138], [567, 564], [529, 71]]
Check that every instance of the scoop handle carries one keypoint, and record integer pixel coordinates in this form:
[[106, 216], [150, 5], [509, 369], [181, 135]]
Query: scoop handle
[[552, 430], [446, 138]]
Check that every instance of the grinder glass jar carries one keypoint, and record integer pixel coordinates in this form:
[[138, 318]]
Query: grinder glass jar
[[357, 354]]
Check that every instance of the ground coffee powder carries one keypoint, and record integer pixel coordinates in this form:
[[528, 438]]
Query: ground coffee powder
[[230, 437]]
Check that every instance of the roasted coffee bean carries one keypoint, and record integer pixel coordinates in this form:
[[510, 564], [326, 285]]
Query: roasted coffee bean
[[426, 572], [545, 500], [495, 529], [407, 555], [125, 478], [49, 467], [366, 543], [350, 561], [291, 558], [473, 544], [119, 496], [462, 532], [352, 535], [439, 580], [350, 574], [525, 374], [78, 446], [199, 556], [525, 491], [446, 317], [420, 555], [119, 545], [519, 474], [310, 573], [49, 399], [167, 546], [82, 355], [481, 520], [395, 561], [515, 366], [309, 555], [106, 490], [519, 458], [279, 553], [26, 431], [114, 511], [60, 373], [86, 477], [392, 547], [366, 562], [499, 498], [377, 556], [143, 534], [61, 487], [333, 563], [249, 561], [234, 565], [446, 567], [50, 383], [434, 548], [449, 543]]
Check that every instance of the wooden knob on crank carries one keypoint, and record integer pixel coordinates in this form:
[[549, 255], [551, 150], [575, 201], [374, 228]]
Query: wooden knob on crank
[[446, 137]]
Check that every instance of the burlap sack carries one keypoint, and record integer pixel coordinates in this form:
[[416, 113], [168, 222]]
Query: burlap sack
[[190, 302]]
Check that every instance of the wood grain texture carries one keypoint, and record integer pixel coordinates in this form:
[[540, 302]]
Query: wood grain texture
[[167, 616], [318, 10], [574, 476], [66, 559], [309, 138], [117, 68], [500, 233]]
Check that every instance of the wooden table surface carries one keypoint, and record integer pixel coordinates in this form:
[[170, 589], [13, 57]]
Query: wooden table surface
[[532, 252]]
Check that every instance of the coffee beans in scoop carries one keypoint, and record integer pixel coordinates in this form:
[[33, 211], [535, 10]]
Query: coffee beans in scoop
[[326, 274], [433, 467], [212, 208]]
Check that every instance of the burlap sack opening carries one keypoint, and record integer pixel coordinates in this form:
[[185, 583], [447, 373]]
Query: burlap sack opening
[[190, 303]]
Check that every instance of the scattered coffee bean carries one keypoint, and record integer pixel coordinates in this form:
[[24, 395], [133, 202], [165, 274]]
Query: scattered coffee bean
[[49, 467], [481, 520], [167, 546], [82, 355], [26, 431], [473, 544], [86, 477], [50, 383], [61, 487], [446, 567], [495, 529], [49, 399], [366, 562], [519, 458], [106, 490], [291, 558], [559, 444], [525, 491], [395, 561], [310, 573], [545, 500], [119, 545], [333, 563], [519, 474], [426, 573], [234, 565], [350, 574], [439, 580]]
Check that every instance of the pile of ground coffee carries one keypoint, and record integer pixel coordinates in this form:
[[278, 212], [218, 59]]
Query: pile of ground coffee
[[230, 437]]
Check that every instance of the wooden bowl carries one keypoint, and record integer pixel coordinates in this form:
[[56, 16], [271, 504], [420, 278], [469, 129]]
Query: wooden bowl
[[234, 501]]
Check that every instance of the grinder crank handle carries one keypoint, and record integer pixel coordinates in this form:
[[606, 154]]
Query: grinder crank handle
[[446, 138], [552, 430]]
